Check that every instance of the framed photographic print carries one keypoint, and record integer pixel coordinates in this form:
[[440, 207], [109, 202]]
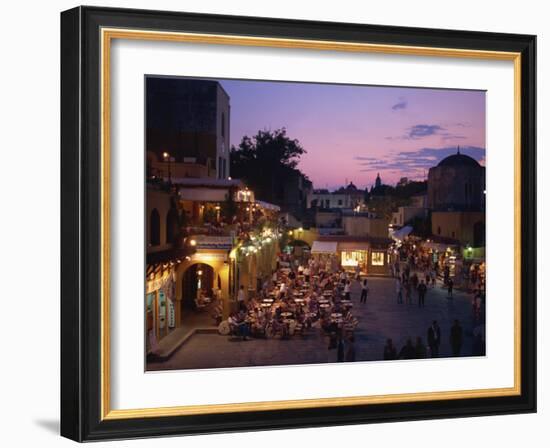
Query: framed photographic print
[[275, 224]]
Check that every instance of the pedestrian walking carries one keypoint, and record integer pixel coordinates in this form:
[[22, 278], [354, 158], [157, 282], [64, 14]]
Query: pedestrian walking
[[390, 352], [422, 290], [456, 338], [408, 351], [434, 339], [347, 290], [408, 293], [450, 285], [350, 351], [420, 348], [478, 346], [341, 350], [364, 291], [399, 291]]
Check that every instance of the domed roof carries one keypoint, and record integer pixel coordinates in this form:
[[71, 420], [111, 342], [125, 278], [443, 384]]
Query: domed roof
[[459, 160]]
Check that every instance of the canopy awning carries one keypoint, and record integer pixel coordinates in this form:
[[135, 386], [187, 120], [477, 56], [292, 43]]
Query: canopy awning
[[324, 247], [268, 206], [440, 247], [399, 235]]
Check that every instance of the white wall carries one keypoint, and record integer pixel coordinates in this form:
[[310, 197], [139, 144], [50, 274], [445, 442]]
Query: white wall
[[29, 104]]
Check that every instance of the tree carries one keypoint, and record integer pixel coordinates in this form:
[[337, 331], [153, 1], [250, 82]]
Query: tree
[[266, 161], [229, 207]]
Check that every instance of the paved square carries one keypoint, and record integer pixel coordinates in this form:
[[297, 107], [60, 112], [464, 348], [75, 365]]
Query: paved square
[[380, 318]]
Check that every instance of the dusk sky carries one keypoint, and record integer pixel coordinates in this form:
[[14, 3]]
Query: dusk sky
[[355, 132]]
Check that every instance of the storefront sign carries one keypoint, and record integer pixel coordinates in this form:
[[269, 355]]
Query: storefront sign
[[158, 283]]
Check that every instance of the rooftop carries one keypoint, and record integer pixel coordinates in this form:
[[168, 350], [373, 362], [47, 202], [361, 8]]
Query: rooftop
[[459, 160]]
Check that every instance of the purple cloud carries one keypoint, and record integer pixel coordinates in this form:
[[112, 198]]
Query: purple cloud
[[424, 130], [402, 104], [416, 163]]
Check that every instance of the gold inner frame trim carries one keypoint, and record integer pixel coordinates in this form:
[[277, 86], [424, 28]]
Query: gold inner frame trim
[[107, 35]]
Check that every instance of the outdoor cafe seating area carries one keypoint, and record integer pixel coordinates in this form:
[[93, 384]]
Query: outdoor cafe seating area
[[292, 304]]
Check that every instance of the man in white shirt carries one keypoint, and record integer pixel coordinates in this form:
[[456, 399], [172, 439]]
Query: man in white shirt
[[306, 274], [241, 298]]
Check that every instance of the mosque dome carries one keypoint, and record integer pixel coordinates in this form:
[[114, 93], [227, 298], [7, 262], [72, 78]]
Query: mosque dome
[[459, 160]]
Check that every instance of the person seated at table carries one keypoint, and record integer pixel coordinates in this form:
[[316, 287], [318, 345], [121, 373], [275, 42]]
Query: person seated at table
[[274, 278], [243, 325], [282, 290], [265, 288], [309, 318], [292, 275], [343, 277], [280, 326], [348, 316], [313, 303], [326, 323], [258, 323], [233, 322]]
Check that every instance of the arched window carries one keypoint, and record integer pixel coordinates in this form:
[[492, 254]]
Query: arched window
[[171, 226], [154, 228]]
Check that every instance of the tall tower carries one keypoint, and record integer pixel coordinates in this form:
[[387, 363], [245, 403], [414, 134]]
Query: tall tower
[[378, 181]]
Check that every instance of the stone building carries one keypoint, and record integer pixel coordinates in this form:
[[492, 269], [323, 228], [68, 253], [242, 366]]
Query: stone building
[[457, 183], [456, 197]]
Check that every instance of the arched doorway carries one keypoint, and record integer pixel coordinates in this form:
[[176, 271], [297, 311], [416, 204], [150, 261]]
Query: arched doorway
[[197, 279]]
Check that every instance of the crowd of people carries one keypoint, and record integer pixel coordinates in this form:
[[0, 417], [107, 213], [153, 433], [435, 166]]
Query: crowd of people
[[300, 296], [419, 349], [416, 273], [311, 295]]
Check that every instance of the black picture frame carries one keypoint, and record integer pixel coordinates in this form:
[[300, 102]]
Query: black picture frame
[[81, 224]]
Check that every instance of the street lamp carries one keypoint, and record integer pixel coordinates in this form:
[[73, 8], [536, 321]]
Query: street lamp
[[167, 158]]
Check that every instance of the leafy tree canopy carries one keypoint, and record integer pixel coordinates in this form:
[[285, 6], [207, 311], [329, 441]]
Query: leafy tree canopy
[[266, 160]]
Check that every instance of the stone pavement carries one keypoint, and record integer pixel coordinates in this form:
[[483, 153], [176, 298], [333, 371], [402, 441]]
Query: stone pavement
[[380, 318]]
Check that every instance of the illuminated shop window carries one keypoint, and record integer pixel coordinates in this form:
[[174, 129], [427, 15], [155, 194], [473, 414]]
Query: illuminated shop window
[[353, 258], [377, 258]]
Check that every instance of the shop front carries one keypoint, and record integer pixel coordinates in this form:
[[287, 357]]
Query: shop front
[[159, 306], [363, 255], [354, 256], [326, 255]]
